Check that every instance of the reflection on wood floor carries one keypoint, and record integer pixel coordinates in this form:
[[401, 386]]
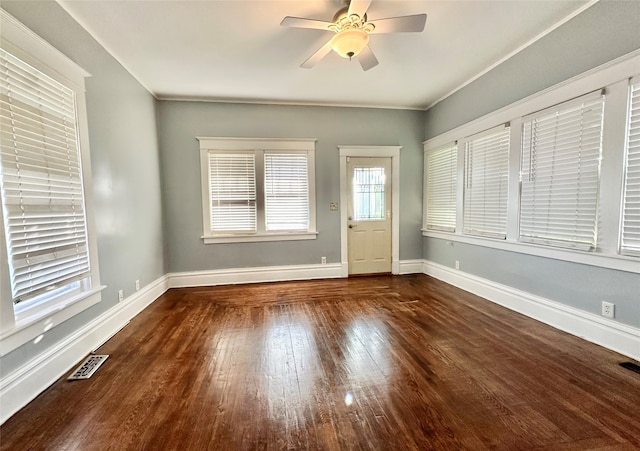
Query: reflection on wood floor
[[390, 362]]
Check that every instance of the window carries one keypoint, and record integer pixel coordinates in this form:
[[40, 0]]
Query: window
[[232, 184], [630, 239], [257, 189], [286, 191], [50, 249], [486, 173], [368, 194], [561, 153], [441, 185], [573, 172], [42, 193]]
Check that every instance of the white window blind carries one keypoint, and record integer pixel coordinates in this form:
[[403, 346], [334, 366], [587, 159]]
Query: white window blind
[[486, 183], [561, 153], [286, 190], [232, 188], [441, 188], [630, 240], [42, 192]]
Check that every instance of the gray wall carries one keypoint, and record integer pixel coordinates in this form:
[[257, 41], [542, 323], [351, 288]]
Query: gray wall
[[181, 122], [604, 32], [125, 167]]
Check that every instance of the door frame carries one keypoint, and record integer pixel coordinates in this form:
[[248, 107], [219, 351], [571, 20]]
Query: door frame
[[392, 152]]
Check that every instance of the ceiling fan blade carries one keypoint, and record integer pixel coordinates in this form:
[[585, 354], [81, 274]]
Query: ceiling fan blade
[[367, 59], [316, 57], [358, 7], [403, 24], [300, 22]]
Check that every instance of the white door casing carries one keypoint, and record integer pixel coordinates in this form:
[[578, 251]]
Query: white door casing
[[392, 152]]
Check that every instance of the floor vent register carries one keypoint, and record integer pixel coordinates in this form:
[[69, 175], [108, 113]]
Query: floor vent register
[[88, 367], [631, 366]]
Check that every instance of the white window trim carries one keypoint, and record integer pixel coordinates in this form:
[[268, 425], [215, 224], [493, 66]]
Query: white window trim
[[17, 329], [614, 77], [258, 145]]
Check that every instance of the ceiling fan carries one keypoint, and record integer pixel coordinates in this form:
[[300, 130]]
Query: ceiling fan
[[352, 29]]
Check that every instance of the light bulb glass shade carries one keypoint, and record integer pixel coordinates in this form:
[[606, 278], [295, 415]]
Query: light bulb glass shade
[[349, 43]]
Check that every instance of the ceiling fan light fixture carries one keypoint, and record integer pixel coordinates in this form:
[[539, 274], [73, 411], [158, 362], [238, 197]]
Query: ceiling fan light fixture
[[348, 43]]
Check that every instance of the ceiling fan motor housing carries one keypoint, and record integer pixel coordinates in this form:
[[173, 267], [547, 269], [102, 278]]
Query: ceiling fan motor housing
[[349, 43], [352, 33]]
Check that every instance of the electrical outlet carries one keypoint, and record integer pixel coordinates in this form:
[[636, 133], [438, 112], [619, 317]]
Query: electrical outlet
[[137, 285], [608, 309], [323, 260], [120, 296], [457, 264]]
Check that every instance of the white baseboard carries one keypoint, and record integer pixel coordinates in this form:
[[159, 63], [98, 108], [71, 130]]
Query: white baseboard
[[610, 334], [411, 266], [274, 274], [254, 275], [21, 386]]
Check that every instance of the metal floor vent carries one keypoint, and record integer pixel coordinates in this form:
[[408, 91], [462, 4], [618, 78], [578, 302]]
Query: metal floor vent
[[631, 366], [88, 367]]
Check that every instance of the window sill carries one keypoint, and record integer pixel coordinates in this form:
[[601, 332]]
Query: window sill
[[33, 327], [257, 237], [610, 261]]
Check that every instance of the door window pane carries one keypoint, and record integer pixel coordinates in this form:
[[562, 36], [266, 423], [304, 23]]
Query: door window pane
[[368, 194]]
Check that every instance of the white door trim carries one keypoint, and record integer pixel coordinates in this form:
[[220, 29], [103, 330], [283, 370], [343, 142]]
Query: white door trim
[[392, 152]]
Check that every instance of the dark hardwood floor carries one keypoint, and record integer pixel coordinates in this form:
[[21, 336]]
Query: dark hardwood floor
[[389, 363]]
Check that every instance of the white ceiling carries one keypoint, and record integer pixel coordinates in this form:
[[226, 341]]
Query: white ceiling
[[236, 50]]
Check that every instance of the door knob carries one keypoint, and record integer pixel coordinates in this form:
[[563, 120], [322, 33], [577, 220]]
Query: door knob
[[351, 226]]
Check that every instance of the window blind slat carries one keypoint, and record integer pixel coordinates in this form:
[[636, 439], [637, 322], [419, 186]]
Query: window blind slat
[[42, 192], [37, 141], [35, 89], [60, 275], [561, 152], [30, 127]]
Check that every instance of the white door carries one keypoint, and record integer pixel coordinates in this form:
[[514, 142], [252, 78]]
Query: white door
[[369, 215]]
